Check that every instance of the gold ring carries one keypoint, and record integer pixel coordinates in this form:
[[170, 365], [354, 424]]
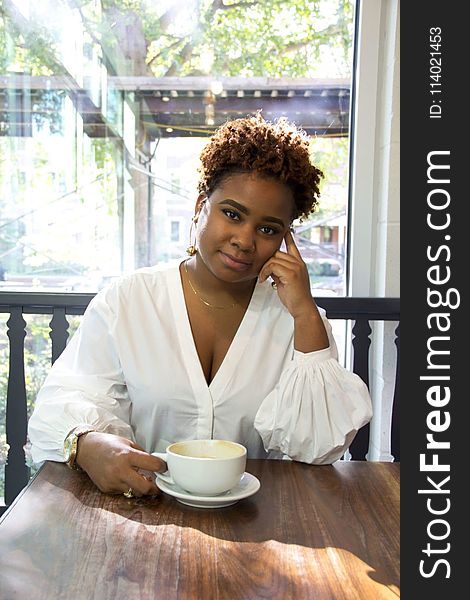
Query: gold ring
[[129, 493]]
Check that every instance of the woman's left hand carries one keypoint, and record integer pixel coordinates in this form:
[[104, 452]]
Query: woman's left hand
[[290, 274]]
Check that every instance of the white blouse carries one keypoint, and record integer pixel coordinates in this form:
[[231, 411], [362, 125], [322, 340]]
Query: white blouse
[[132, 369]]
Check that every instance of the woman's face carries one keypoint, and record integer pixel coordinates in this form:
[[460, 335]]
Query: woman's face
[[242, 224]]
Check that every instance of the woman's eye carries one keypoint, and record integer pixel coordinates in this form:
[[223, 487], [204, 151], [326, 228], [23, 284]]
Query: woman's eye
[[230, 213], [268, 230]]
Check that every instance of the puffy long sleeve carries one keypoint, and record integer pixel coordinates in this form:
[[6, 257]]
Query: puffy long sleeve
[[315, 411], [85, 386]]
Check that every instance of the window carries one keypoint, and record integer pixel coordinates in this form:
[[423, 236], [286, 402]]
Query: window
[[104, 109], [175, 231]]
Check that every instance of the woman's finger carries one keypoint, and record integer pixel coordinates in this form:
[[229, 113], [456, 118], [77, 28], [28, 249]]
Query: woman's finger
[[291, 245], [289, 265], [143, 460], [141, 485]]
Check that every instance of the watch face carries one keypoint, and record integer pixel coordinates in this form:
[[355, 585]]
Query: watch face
[[68, 445]]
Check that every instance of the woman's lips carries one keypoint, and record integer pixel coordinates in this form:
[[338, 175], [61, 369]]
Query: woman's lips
[[234, 263]]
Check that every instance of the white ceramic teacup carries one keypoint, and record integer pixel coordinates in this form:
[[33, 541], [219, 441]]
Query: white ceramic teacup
[[204, 467]]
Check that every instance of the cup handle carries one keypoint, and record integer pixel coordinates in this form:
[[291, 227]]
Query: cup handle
[[161, 455], [166, 475]]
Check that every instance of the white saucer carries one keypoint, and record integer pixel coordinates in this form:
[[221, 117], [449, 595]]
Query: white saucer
[[247, 486]]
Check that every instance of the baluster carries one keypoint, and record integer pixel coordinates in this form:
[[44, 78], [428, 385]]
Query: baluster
[[16, 471], [395, 435], [361, 343], [59, 331]]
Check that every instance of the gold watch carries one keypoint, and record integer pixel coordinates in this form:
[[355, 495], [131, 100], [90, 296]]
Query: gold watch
[[71, 446]]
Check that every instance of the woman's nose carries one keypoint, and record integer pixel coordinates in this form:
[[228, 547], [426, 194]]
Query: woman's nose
[[244, 238]]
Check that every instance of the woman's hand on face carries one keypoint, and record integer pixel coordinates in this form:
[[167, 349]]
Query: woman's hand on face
[[290, 274], [115, 464]]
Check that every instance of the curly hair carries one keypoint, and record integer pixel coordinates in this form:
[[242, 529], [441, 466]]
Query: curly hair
[[277, 150]]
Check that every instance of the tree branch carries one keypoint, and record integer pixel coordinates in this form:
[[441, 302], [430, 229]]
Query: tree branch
[[158, 54], [169, 16], [185, 55], [219, 5], [25, 27]]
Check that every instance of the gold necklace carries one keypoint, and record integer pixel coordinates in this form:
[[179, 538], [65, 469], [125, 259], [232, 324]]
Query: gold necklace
[[202, 299]]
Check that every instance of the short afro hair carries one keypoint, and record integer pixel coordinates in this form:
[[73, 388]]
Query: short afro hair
[[277, 150]]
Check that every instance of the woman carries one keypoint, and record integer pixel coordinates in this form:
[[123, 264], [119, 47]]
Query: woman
[[212, 348]]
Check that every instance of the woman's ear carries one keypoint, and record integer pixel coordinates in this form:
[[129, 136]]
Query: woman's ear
[[199, 204]]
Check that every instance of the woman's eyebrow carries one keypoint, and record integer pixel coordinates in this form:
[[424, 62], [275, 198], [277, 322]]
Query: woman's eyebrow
[[245, 211], [236, 205]]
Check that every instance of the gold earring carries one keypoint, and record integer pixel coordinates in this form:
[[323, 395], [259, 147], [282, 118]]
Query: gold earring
[[191, 249]]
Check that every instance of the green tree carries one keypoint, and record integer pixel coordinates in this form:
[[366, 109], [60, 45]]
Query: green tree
[[258, 38]]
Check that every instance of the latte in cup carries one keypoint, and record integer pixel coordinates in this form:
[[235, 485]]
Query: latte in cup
[[204, 467]]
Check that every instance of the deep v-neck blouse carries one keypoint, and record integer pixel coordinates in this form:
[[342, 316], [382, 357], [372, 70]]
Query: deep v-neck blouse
[[132, 368], [186, 340]]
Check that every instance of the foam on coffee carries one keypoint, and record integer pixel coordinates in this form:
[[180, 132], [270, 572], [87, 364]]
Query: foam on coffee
[[207, 449]]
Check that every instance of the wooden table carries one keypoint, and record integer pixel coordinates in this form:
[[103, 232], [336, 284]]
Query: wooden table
[[321, 532]]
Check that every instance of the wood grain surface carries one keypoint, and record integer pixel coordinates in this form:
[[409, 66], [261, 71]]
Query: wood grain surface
[[320, 532]]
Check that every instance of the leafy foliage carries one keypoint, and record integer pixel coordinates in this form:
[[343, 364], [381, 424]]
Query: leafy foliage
[[269, 38]]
